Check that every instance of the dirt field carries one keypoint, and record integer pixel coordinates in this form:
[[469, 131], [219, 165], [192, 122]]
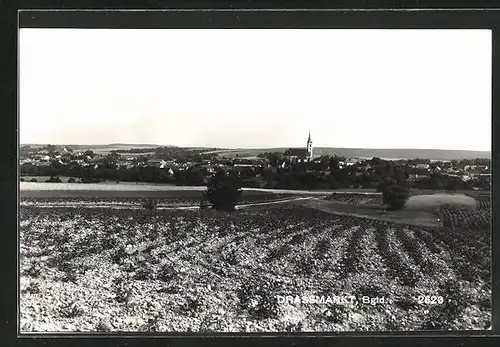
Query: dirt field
[[110, 269]]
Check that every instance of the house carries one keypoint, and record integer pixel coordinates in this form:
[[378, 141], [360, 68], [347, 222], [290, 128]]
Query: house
[[209, 168], [417, 176], [243, 165], [351, 161], [42, 163], [158, 163], [476, 167], [97, 159], [422, 166], [125, 163]]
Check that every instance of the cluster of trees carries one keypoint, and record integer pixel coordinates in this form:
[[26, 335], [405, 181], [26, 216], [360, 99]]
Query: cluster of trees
[[223, 191], [324, 173]]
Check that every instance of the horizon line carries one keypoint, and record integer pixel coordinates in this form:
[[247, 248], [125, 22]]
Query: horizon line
[[250, 147]]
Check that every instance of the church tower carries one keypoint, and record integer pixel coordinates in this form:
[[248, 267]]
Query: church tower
[[309, 147]]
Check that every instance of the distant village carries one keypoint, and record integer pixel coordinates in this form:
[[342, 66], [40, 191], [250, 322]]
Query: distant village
[[292, 168]]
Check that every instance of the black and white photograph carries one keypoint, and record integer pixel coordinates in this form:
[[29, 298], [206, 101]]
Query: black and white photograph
[[254, 180]]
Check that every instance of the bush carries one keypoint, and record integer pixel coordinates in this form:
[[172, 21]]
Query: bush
[[53, 179], [385, 183], [395, 197], [22, 179], [89, 180], [71, 180], [33, 180], [223, 191]]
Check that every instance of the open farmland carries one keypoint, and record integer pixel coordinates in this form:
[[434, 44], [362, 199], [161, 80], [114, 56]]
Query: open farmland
[[173, 270]]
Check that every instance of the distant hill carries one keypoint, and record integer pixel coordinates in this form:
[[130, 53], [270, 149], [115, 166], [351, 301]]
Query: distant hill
[[388, 153], [111, 145], [433, 154], [134, 145]]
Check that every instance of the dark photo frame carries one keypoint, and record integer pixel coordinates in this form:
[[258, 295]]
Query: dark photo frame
[[178, 16]]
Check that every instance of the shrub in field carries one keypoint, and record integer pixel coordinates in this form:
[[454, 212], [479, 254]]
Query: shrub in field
[[53, 179], [71, 180], [34, 180], [395, 197], [223, 191]]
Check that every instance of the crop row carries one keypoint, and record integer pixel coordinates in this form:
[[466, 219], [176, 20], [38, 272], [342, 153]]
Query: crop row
[[466, 218], [468, 251], [468, 243], [483, 201], [416, 250], [393, 258]]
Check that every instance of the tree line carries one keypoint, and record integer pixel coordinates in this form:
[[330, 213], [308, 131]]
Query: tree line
[[323, 174]]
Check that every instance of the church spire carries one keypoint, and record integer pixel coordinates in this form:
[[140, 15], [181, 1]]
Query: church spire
[[309, 147]]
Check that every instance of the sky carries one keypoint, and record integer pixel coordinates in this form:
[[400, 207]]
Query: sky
[[256, 88]]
